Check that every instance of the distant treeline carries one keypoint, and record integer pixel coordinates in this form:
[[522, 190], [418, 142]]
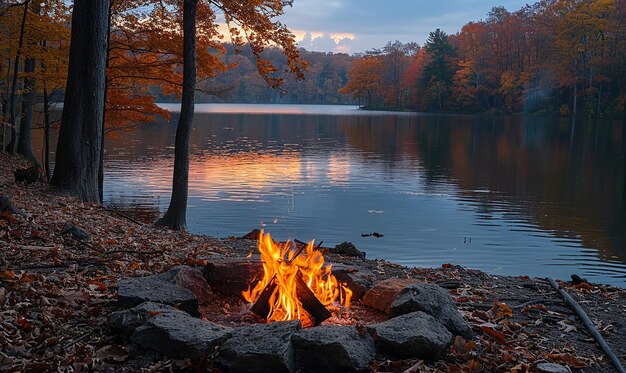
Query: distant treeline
[[556, 56], [326, 74], [559, 56]]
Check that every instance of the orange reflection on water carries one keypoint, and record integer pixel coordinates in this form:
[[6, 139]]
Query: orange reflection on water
[[243, 177]]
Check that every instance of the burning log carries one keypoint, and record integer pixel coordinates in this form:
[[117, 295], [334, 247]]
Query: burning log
[[310, 303], [262, 307]]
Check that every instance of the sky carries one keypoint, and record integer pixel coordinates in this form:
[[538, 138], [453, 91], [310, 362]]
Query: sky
[[353, 26]]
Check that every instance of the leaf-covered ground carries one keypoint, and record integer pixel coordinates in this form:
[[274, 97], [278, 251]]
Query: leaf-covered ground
[[55, 294]]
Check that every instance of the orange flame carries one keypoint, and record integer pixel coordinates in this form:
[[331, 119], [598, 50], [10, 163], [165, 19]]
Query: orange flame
[[280, 264]]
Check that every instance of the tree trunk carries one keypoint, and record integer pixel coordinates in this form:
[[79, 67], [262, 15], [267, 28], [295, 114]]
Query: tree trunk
[[175, 217], [78, 148], [575, 100], [13, 97], [46, 133], [25, 141], [106, 91]]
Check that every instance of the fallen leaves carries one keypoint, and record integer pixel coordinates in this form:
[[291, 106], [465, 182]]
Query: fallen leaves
[[569, 359]]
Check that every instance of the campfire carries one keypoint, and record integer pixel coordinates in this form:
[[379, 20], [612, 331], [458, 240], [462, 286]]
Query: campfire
[[295, 285]]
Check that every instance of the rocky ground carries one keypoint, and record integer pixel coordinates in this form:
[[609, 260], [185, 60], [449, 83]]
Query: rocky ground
[[58, 286]]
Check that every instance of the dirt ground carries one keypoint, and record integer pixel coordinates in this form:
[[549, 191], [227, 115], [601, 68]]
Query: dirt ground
[[55, 294]]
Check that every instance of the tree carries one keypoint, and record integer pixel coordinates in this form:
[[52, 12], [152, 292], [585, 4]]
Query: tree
[[365, 79], [439, 72], [175, 216], [78, 148], [255, 22]]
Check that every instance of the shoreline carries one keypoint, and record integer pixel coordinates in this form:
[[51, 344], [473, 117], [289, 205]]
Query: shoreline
[[73, 284]]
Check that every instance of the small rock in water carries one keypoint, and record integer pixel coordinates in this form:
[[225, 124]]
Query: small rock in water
[[347, 248]]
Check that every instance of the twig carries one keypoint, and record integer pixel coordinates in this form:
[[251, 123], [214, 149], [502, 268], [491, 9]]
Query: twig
[[588, 324], [134, 252], [124, 216], [76, 340], [27, 247]]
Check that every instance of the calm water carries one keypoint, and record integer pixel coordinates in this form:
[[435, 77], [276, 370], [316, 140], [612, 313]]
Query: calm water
[[508, 195]]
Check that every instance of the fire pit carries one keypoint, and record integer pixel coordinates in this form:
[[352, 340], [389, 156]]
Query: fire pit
[[263, 312], [296, 285]]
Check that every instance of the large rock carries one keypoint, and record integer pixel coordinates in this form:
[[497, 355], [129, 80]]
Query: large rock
[[78, 233], [412, 335], [231, 275], [136, 290], [333, 349], [7, 206], [126, 321], [180, 335], [260, 348], [435, 301], [382, 295], [191, 279]]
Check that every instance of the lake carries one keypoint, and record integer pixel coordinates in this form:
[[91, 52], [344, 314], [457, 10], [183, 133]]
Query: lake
[[520, 195]]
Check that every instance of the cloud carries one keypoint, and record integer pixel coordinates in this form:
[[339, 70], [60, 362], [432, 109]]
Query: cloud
[[319, 41], [371, 24]]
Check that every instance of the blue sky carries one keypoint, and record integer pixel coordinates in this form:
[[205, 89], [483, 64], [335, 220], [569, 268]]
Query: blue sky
[[353, 26]]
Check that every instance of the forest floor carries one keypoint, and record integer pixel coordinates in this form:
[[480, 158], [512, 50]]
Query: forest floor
[[56, 293]]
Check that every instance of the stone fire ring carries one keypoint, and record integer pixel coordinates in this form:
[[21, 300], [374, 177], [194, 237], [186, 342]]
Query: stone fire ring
[[160, 313]]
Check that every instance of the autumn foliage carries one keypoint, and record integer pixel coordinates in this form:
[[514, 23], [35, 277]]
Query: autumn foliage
[[557, 56]]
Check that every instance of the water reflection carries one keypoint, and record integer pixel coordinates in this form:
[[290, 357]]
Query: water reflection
[[512, 195]]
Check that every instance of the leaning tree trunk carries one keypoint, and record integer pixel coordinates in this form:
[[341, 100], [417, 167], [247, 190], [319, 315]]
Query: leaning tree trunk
[[25, 142], [13, 96], [175, 217], [106, 92], [78, 148]]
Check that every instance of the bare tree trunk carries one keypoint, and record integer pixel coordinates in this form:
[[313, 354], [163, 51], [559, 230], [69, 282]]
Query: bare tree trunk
[[175, 216], [106, 91], [46, 133], [25, 141], [13, 97], [78, 148]]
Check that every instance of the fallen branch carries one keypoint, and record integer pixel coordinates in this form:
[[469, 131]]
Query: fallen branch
[[26, 247], [124, 216], [588, 324], [135, 252]]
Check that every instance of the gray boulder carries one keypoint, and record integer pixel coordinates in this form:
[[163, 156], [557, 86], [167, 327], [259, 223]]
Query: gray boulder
[[435, 301], [412, 335], [126, 321], [333, 349], [260, 348], [136, 290], [180, 335], [191, 279]]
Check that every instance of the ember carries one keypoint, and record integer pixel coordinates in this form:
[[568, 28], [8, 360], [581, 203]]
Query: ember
[[295, 284]]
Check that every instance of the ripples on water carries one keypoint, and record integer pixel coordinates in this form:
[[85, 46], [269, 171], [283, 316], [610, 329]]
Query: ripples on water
[[509, 195]]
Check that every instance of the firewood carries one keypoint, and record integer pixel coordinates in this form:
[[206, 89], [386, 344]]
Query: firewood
[[262, 306], [310, 303]]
